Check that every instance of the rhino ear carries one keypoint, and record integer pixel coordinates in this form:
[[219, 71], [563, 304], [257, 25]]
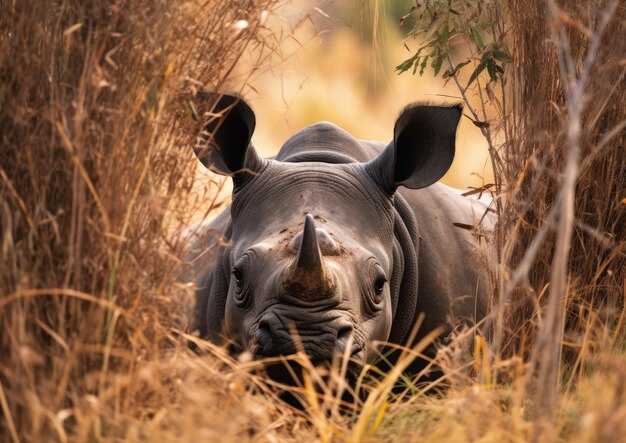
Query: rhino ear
[[224, 143], [422, 149]]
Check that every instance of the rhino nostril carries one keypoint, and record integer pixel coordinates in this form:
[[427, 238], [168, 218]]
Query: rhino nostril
[[346, 342], [264, 333], [344, 333]]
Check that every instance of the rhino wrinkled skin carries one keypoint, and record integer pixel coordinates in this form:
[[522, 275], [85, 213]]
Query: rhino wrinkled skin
[[336, 240]]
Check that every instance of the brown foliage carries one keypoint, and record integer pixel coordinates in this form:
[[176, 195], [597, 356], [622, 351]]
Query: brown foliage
[[95, 136], [535, 154]]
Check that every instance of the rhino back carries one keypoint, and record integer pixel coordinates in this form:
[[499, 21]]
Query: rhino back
[[327, 142]]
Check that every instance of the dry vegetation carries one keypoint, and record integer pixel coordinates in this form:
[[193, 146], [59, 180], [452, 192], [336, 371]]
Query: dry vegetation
[[96, 179], [566, 183]]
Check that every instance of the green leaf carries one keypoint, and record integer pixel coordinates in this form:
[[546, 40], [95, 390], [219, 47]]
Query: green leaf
[[445, 34], [436, 64], [406, 65], [480, 68], [478, 38], [423, 65], [460, 65], [417, 60], [453, 24], [502, 56], [450, 73], [434, 28], [491, 69]]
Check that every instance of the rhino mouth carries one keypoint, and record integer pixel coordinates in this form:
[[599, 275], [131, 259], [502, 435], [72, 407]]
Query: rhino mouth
[[321, 337]]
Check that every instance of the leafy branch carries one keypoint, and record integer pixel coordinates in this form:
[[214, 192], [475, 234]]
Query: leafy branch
[[442, 27]]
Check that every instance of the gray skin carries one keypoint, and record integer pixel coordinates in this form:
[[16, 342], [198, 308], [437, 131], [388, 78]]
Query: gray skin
[[319, 241]]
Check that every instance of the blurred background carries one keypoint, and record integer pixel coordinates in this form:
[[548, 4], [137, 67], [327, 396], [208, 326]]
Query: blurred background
[[340, 67]]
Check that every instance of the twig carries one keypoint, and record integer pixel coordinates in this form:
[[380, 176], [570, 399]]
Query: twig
[[19, 201], [7, 414], [67, 144], [599, 149], [485, 131], [63, 292], [520, 273]]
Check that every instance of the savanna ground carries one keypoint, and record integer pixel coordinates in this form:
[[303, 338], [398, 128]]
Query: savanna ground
[[97, 180]]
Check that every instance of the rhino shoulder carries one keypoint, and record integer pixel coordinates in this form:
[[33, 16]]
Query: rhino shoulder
[[471, 210], [454, 252]]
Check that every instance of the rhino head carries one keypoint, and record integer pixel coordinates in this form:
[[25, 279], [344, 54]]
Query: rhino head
[[313, 242]]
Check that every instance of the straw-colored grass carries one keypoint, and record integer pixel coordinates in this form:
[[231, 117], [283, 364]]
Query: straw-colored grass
[[97, 118], [96, 129]]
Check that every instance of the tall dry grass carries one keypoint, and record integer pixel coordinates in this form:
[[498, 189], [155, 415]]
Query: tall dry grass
[[560, 303], [567, 98], [537, 147], [96, 169], [97, 117]]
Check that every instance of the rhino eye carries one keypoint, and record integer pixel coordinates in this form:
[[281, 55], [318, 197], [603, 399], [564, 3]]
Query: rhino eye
[[379, 284], [238, 276], [241, 292], [374, 287]]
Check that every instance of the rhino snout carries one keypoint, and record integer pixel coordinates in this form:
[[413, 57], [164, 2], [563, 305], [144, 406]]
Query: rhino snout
[[276, 335]]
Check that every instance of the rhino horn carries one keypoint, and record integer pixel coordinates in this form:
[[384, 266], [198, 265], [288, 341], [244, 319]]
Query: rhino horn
[[309, 255], [307, 274]]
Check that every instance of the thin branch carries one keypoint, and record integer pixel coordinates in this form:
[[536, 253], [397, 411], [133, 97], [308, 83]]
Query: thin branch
[[599, 149], [485, 131]]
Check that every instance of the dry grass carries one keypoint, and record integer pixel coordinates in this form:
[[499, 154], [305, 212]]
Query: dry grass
[[533, 164], [96, 173], [97, 177]]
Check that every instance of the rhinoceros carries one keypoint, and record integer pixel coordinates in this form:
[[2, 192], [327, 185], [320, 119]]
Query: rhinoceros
[[338, 240]]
